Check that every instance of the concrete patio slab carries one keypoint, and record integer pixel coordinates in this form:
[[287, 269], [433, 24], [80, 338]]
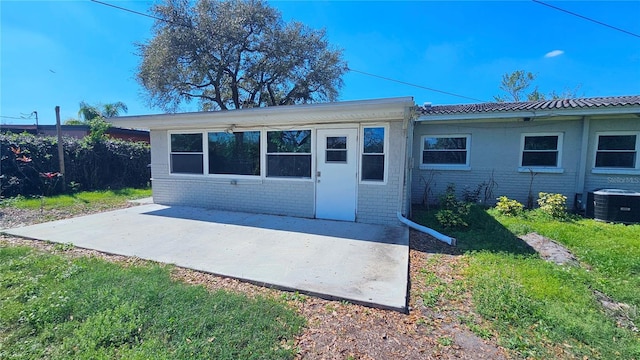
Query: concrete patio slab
[[362, 263]]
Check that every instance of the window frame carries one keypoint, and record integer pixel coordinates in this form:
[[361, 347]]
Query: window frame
[[385, 154], [204, 153], [265, 155], [234, 176], [635, 170], [429, 166], [544, 168]]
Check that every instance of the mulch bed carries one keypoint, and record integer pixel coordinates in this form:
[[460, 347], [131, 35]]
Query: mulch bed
[[341, 330]]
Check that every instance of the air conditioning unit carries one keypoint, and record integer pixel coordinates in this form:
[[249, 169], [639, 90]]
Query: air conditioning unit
[[616, 205]]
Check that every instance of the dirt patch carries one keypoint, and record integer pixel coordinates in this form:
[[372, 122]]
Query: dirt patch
[[438, 329], [550, 250]]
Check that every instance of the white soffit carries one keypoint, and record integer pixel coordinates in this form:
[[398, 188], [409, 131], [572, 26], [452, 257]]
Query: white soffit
[[323, 113]]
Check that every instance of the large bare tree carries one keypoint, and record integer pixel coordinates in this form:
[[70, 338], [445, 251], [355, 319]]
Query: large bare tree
[[235, 54]]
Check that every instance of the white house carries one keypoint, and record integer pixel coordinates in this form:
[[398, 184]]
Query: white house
[[367, 160], [340, 160]]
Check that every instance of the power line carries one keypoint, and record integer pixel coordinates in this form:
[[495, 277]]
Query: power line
[[415, 85], [15, 117], [131, 11], [587, 18], [353, 70]]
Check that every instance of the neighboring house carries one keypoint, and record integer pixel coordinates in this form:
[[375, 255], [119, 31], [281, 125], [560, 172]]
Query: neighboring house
[[367, 160], [77, 131], [571, 146]]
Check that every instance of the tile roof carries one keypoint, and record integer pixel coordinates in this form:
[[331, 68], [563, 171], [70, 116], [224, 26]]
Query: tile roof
[[582, 103]]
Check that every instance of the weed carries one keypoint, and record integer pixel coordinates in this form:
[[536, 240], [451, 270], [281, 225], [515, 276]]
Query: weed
[[293, 296], [445, 341], [63, 247]]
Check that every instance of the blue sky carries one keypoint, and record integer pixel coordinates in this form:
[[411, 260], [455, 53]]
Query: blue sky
[[63, 52]]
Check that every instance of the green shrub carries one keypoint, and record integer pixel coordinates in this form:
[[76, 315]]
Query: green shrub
[[508, 207], [90, 164], [452, 212], [553, 205]]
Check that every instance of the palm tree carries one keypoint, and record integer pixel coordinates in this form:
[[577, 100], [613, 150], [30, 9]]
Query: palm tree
[[113, 109], [90, 112]]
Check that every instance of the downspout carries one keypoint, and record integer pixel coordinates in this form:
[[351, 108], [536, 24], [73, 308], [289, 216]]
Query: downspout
[[404, 202], [582, 164], [444, 238]]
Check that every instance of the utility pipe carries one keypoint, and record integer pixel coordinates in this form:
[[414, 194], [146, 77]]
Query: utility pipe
[[444, 238]]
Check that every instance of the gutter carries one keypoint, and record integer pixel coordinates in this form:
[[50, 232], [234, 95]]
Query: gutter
[[444, 238]]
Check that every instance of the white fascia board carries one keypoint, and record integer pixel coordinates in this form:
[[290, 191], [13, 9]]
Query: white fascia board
[[324, 113], [547, 114]]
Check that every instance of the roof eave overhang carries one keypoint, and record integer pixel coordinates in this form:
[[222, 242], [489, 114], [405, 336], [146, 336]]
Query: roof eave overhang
[[300, 115], [550, 114]]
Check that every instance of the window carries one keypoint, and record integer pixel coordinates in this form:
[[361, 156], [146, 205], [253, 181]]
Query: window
[[541, 150], [289, 153], [336, 149], [237, 153], [445, 150], [617, 151], [186, 154], [373, 154]]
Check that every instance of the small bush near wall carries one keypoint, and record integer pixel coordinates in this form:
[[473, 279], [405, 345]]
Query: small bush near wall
[[90, 164], [452, 213], [553, 205], [509, 207]]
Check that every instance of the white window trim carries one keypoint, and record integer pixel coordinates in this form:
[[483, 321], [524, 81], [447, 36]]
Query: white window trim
[[558, 169], [360, 154], [465, 167], [612, 170], [205, 156], [264, 154]]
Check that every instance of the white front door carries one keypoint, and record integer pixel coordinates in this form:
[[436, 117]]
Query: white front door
[[336, 174]]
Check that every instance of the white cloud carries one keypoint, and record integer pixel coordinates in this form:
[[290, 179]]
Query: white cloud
[[553, 53]]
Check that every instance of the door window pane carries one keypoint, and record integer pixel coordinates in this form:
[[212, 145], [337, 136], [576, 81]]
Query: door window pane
[[336, 149]]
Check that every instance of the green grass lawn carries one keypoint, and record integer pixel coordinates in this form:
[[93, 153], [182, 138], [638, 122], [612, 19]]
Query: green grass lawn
[[542, 310], [56, 307], [81, 201]]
